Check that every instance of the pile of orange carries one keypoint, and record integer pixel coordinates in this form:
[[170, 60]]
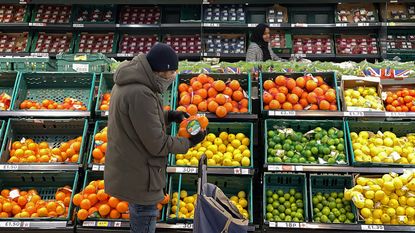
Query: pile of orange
[[203, 121], [204, 94], [28, 204], [105, 103], [100, 142], [400, 101], [28, 151], [95, 203], [303, 93], [68, 104]]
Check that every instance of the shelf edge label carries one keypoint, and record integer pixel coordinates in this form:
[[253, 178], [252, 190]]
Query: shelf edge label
[[395, 114], [373, 227], [288, 224], [12, 167]]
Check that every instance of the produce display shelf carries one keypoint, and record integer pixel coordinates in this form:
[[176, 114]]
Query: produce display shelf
[[50, 26], [222, 55], [213, 170], [181, 25], [28, 225], [400, 24], [335, 169], [357, 114], [345, 227]]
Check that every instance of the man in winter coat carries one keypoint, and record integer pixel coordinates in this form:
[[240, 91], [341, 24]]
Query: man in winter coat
[[138, 144]]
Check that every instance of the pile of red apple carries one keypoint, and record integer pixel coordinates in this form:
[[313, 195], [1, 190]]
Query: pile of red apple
[[13, 42], [97, 15], [184, 43], [401, 42], [140, 15], [53, 14], [358, 44], [96, 43], [312, 45], [137, 43], [53, 43], [68, 104], [278, 40], [12, 13]]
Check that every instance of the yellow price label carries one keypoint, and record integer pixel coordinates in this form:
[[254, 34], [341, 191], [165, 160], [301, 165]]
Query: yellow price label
[[102, 224], [80, 57]]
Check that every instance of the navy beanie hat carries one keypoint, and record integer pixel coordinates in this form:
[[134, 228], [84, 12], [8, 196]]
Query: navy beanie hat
[[162, 57]]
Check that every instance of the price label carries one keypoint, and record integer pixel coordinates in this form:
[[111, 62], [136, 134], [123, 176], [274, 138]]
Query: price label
[[299, 25], [354, 114], [392, 24], [192, 170], [272, 224], [341, 24], [39, 54], [184, 225], [237, 171], [26, 224], [88, 224], [102, 168], [288, 224], [125, 55], [363, 24], [245, 171], [37, 24], [275, 168], [9, 167], [275, 25], [284, 113], [106, 113], [10, 224], [373, 227], [95, 168], [102, 224], [117, 224], [78, 25], [82, 68], [252, 25], [395, 114]]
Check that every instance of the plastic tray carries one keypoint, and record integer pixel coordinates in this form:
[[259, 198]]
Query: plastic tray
[[53, 131], [36, 8], [69, 35], [103, 8]]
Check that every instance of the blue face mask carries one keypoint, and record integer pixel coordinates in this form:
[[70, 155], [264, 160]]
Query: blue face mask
[[163, 83]]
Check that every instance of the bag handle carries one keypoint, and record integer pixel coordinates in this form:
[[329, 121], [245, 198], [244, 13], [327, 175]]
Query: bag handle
[[201, 174], [226, 227]]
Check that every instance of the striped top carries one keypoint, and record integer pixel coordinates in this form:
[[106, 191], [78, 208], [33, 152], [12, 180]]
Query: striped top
[[254, 53]]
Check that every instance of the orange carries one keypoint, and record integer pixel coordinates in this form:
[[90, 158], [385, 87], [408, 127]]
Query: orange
[[104, 210], [237, 96], [74, 158], [313, 107], [7, 207], [93, 198], [298, 91], [266, 107], [407, 99], [283, 90], [197, 85], [293, 98], [97, 153], [333, 107], [320, 80], [114, 214], [287, 106], [101, 184], [43, 145], [165, 201], [312, 98], [300, 82], [113, 202], [330, 96], [82, 214], [234, 85], [70, 152], [101, 195], [192, 109], [183, 87], [219, 85], [185, 100], [324, 105], [228, 91], [220, 99], [77, 198], [268, 84], [202, 93], [85, 204], [19, 153], [103, 147], [273, 91], [244, 103], [325, 88], [122, 207], [76, 146], [274, 105], [42, 212], [221, 112], [22, 201], [212, 106], [280, 80], [228, 106], [181, 108], [92, 210], [16, 209], [206, 86], [298, 107], [291, 83], [243, 110], [202, 106], [212, 92], [51, 206], [303, 102], [203, 122], [319, 91], [197, 99], [281, 98], [311, 85], [183, 133], [89, 189]]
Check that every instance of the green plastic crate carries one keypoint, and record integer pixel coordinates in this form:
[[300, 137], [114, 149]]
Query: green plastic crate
[[36, 9], [46, 183], [106, 83], [103, 8], [18, 35], [99, 125], [304, 126], [243, 79], [91, 176], [34, 64], [52, 131], [93, 56], [327, 184], [93, 63], [399, 128], [8, 82], [231, 127], [68, 34], [328, 77], [55, 86], [285, 181], [230, 185], [15, 8]]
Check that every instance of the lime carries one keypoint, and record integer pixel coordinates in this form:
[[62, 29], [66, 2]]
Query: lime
[[270, 200], [325, 211], [342, 218], [331, 142], [332, 205], [270, 159], [271, 133], [298, 147], [281, 209], [314, 150], [290, 154], [296, 219], [347, 221], [350, 216], [281, 200], [277, 160], [282, 216], [316, 210], [317, 219], [287, 204], [336, 221], [331, 161], [277, 219], [298, 196], [287, 196], [275, 213], [270, 208], [275, 204], [269, 193], [288, 218], [340, 147], [288, 211], [276, 139], [326, 150], [292, 199], [286, 147], [324, 219], [278, 147], [269, 216], [294, 160], [343, 211], [318, 136], [294, 207], [275, 196], [340, 134], [319, 214], [339, 206], [302, 160], [311, 159], [331, 217], [308, 153], [299, 215]]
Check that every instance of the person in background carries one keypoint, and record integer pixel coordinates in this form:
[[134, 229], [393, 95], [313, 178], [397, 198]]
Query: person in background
[[259, 48], [138, 143]]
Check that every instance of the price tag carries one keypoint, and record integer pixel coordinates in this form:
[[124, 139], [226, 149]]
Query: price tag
[[192, 170], [78, 25], [373, 227], [23, 2], [125, 55], [288, 224], [363, 24], [395, 114], [117, 224], [299, 168], [184, 225], [95, 168], [88, 223], [252, 25], [284, 113], [341, 24], [272, 224], [26, 224], [10, 224], [102, 224], [37, 24], [204, 54], [391, 24], [275, 168], [245, 171], [106, 113], [39, 54], [354, 114], [9, 167], [102, 168], [82, 68], [275, 25], [299, 25]]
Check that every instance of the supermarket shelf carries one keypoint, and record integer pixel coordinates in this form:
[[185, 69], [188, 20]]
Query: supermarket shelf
[[50, 26], [97, 26], [181, 25], [13, 55], [359, 56], [285, 113], [27, 225], [337, 169], [44, 113], [14, 25], [39, 167], [213, 170], [190, 56], [344, 227]]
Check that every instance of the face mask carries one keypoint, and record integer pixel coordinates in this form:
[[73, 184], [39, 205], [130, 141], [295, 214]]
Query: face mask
[[163, 83]]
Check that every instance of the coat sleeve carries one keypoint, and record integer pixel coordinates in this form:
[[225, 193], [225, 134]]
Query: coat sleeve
[[274, 56], [145, 118], [253, 53]]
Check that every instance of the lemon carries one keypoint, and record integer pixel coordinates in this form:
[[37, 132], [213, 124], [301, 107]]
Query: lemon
[[378, 142], [172, 216], [230, 149], [223, 136], [385, 218], [209, 154], [369, 204], [397, 183], [235, 164], [389, 186], [243, 202], [217, 159], [400, 211], [183, 194], [246, 153], [410, 201], [387, 178], [234, 199], [393, 196], [357, 146], [190, 207], [388, 142], [370, 194], [402, 200], [377, 213], [227, 162], [179, 156], [222, 148], [236, 152], [180, 162], [379, 195], [182, 204], [211, 162], [231, 137], [393, 203], [369, 220], [366, 213], [374, 187], [358, 188], [194, 162], [245, 141], [238, 157], [245, 162], [242, 148], [174, 209], [175, 195], [348, 194], [218, 141], [377, 221], [242, 194], [410, 212], [174, 201], [211, 137], [362, 181], [236, 143], [183, 210], [391, 212], [364, 134], [240, 136], [394, 221]]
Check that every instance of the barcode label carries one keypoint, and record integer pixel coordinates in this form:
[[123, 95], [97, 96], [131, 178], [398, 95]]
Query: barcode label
[[354, 114], [125, 55], [95, 168], [288, 224], [252, 25], [88, 223], [284, 113], [363, 24], [275, 25], [10, 224], [341, 24], [82, 68]]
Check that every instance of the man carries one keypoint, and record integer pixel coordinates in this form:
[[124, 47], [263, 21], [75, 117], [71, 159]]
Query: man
[[138, 144]]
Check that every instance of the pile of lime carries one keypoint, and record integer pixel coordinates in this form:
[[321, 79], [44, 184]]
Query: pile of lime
[[317, 146], [332, 208], [284, 206]]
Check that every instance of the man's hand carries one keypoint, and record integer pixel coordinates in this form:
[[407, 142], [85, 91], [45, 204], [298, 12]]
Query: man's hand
[[176, 116]]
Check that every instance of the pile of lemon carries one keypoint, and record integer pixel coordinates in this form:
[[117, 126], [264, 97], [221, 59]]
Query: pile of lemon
[[389, 199]]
